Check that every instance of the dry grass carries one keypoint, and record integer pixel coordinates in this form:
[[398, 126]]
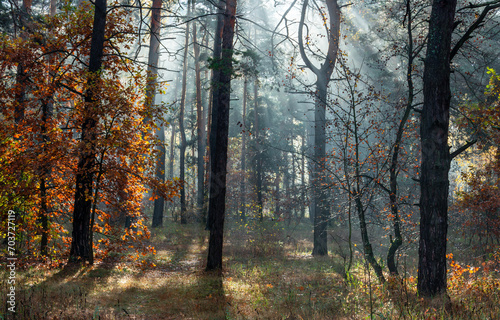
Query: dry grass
[[269, 274]]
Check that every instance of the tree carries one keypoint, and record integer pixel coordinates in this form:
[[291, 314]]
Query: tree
[[243, 153], [323, 75], [355, 156], [394, 169], [200, 127], [154, 52], [222, 73], [436, 158], [258, 160], [81, 246], [182, 130]]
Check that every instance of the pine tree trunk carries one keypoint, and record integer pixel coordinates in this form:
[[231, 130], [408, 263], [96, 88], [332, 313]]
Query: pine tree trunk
[[214, 96], [434, 184], [81, 248], [200, 129], [159, 203], [258, 156], [303, 180], [154, 53], [243, 154], [277, 207], [219, 138], [171, 165], [182, 160]]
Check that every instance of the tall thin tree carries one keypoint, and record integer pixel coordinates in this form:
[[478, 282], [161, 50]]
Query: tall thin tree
[[243, 152], [81, 248], [323, 75], [200, 123], [219, 134], [182, 130], [154, 53], [434, 127]]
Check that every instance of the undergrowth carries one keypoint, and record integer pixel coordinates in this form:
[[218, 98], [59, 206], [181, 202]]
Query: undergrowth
[[269, 274]]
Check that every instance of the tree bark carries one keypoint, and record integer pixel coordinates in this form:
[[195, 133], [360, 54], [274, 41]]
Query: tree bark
[[303, 179], [436, 158], [214, 95], [219, 137], [320, 204], [182, 131], [81, 248], [53, 7], [154, 53], [200, 120], [243, 153], [277, 205], [45, 175], [159, 203], [258, 154], [171, 165]]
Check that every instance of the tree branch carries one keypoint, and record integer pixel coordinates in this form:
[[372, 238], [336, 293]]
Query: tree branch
[[301, 40], [462, 149], [467, 35]]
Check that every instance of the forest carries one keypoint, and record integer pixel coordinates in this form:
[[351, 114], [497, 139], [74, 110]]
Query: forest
[[248, 159]]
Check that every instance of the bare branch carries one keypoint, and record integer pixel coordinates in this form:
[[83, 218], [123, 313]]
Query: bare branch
[[462, 149], [301, 39], [467, 35]]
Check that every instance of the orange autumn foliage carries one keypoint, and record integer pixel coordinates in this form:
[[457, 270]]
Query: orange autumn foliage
[[43, 145]]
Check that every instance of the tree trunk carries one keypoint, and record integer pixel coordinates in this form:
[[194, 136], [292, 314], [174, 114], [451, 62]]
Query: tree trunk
[[45, 173], [310, 168], [181, 123], [200, 129], [434, 184], [207, 113], [214, 96], [243, 153], [277, 207], [393, 195], [53, 7], [258, 155], [154, 52], [159, 204], [303, 180], [290, 177], [44, 211], [323, 74], [320, 204], [81, 248], [171, 164], [47, 111], [367, 247], [219, 137]]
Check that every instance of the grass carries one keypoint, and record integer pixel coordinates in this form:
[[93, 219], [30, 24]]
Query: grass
[[269, 274]]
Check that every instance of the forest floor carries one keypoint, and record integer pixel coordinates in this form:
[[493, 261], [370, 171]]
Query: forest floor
[[268, 274]]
